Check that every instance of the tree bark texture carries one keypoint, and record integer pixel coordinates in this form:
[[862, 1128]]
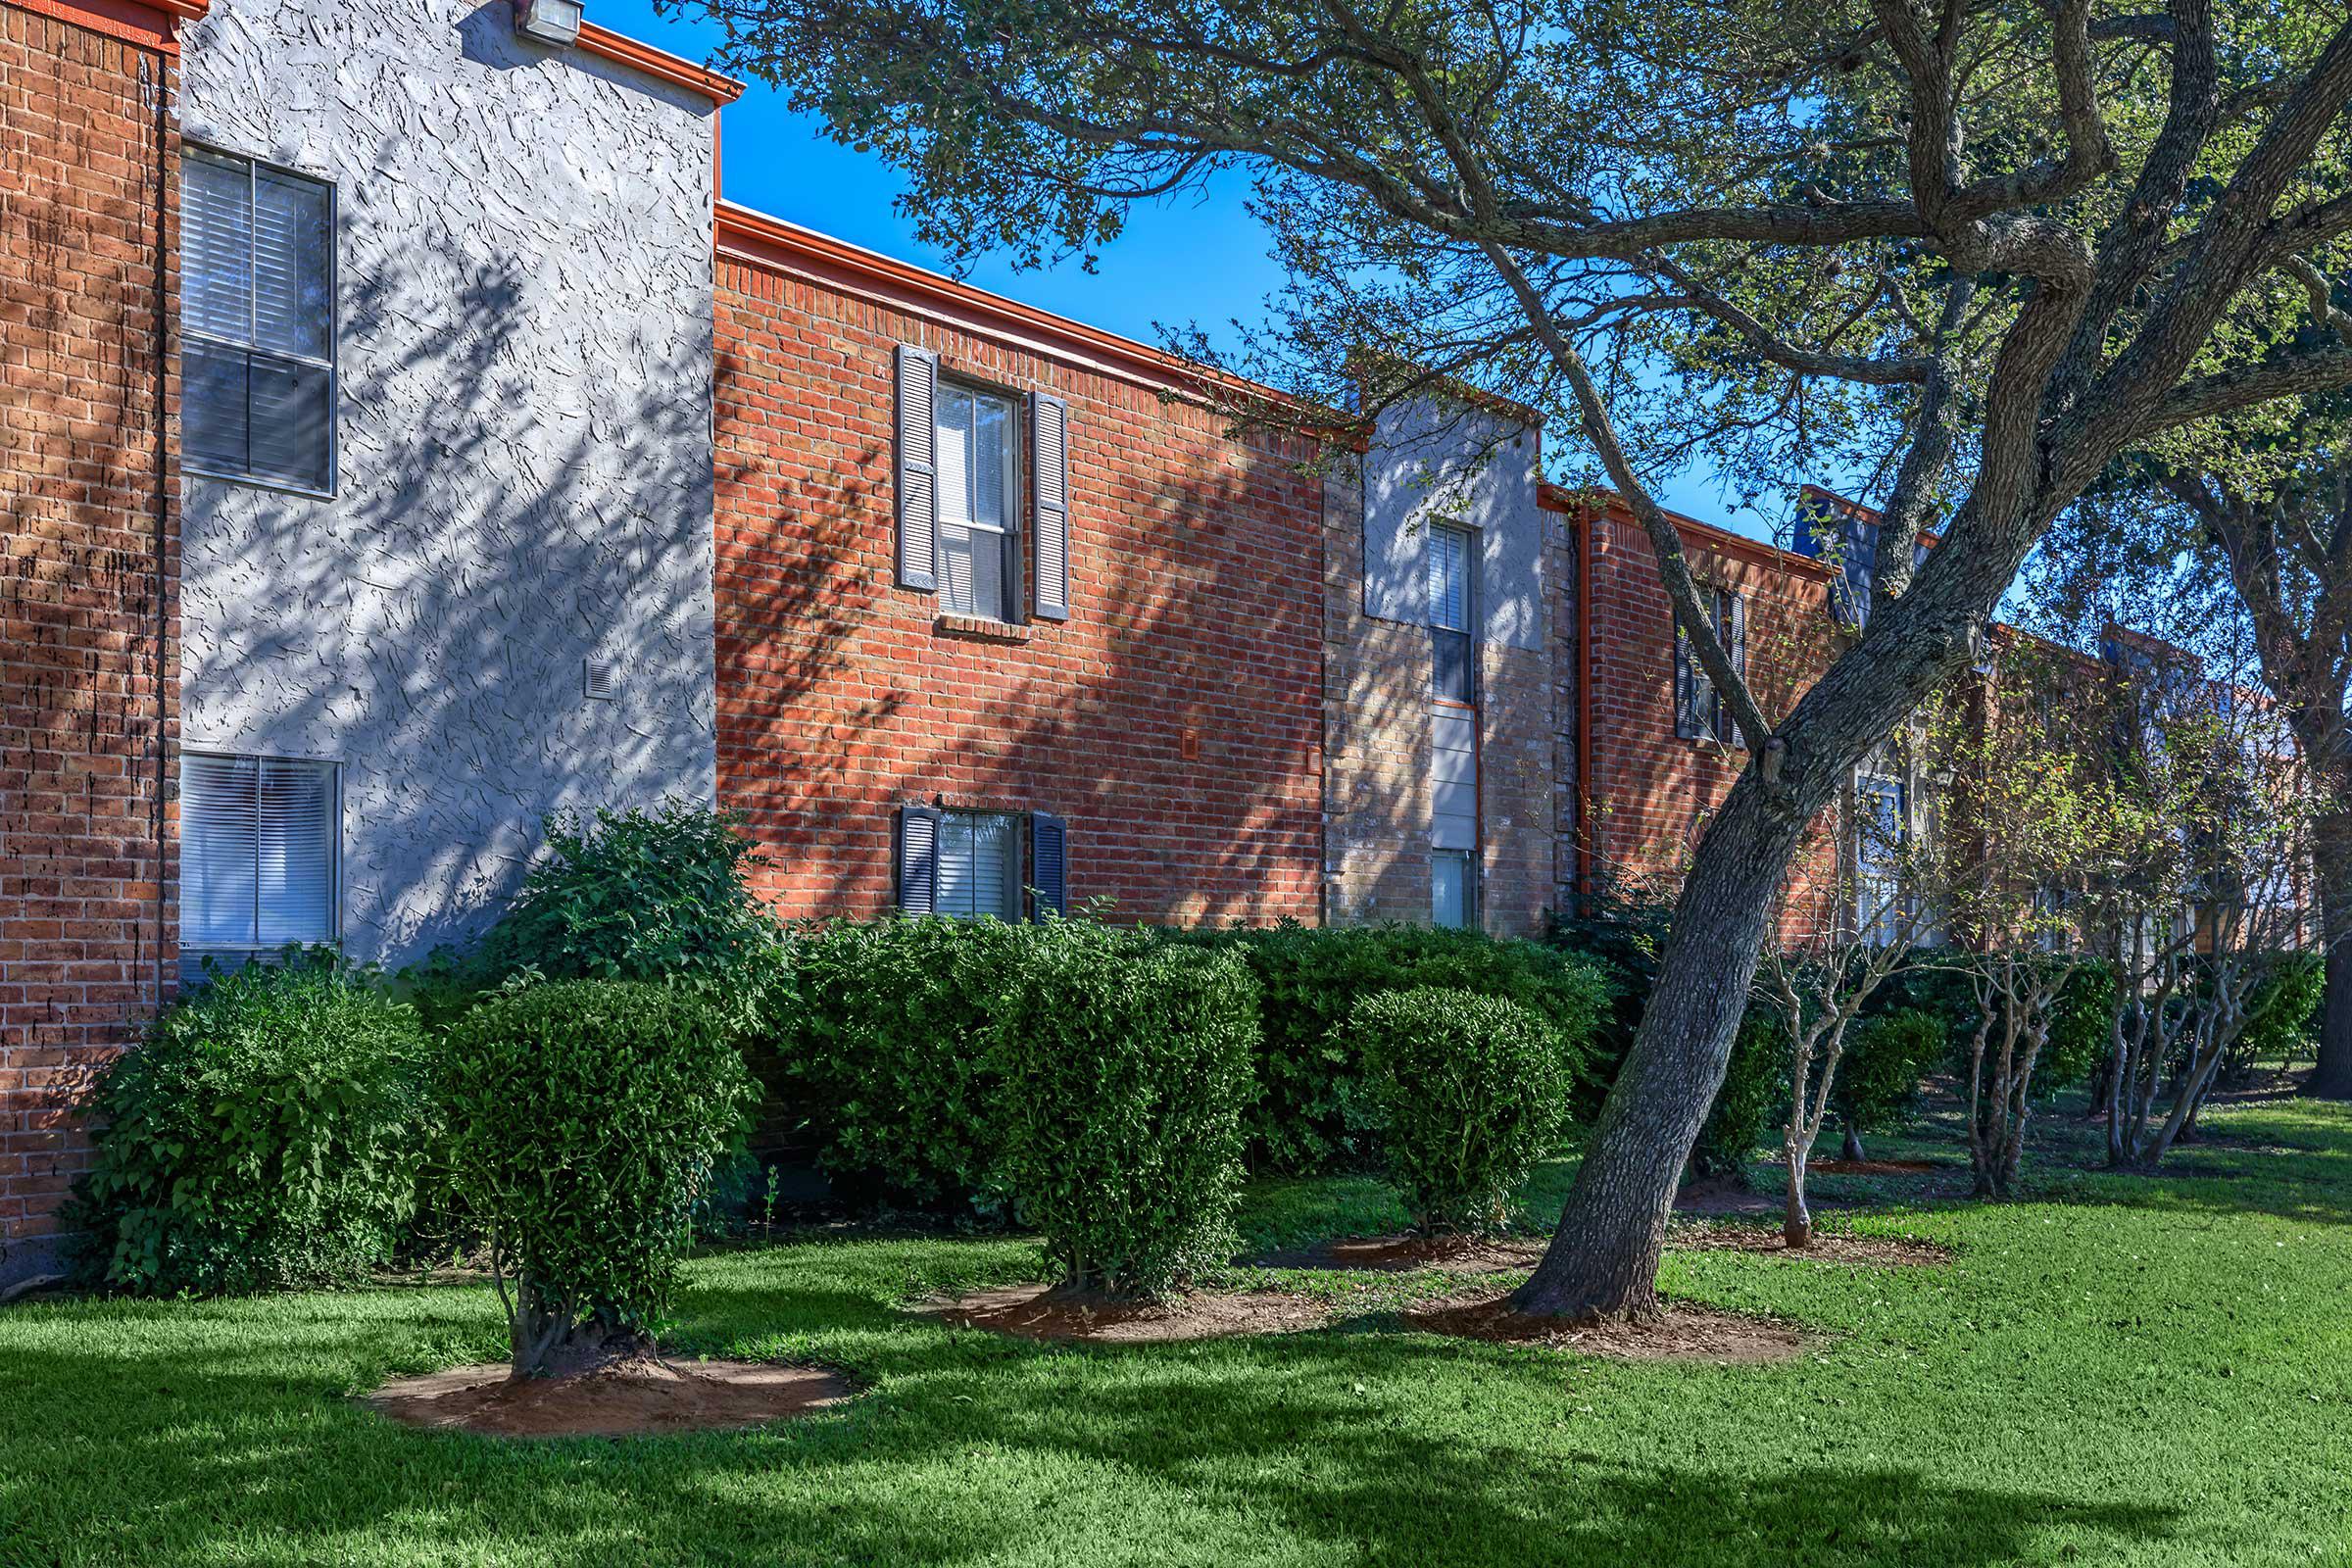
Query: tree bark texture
[[2332, 854]]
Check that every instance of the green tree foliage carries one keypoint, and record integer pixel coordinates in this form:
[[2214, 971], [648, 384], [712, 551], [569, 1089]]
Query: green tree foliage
[[1472, 1092], [267, 1134]]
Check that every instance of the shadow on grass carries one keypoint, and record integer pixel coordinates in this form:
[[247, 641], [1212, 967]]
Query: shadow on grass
[[165, 1433]]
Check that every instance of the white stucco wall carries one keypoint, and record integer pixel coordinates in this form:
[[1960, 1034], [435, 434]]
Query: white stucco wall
[[1436, 462], [524, 428]]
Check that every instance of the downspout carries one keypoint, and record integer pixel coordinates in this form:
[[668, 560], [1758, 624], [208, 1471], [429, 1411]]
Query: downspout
[[1580, 524]]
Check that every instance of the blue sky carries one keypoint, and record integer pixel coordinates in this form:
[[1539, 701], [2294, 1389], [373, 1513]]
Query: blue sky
[[1180, 263]]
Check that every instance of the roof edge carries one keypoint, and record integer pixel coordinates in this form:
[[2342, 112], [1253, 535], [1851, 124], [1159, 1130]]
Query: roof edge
[[660, 64], [1712, 536], [746, 234]]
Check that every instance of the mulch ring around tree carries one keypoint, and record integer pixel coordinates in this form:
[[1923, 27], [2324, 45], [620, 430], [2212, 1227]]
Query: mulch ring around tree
[[1829, 1247], [644, 1397], [1405, 1255], [1049, 1312], [1681, 1333]]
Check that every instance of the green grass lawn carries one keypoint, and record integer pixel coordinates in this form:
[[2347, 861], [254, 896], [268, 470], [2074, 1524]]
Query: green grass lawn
[[2116, 1372]]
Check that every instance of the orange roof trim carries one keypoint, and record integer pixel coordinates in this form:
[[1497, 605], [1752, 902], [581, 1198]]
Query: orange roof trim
[[759, 240], [660, 64], [150, 24], [1713, 538]]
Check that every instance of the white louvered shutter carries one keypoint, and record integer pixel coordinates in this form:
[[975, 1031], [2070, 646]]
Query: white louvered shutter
[[917, 466], [1049, 506]]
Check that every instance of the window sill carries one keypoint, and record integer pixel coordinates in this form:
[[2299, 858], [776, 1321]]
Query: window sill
[[980, 629]]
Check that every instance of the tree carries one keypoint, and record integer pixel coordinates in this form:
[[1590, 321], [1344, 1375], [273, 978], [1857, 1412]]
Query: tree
[[1820, 984], [1986, 247], [2201, 899]]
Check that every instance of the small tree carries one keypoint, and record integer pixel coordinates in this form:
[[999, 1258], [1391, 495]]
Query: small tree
[[1819, 985], [2026, 810], [2201, 903], [586, 1119]]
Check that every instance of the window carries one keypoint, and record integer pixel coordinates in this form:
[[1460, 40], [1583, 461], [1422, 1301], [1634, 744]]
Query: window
[[1450, 602], [1699, 712], [979, 864], [1882, 827], [258, 318], [1453, 900], [259, 846], [979, 537]]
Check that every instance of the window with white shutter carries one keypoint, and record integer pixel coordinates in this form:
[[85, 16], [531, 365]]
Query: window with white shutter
[[979, 466], [258, 322], [260, 854]]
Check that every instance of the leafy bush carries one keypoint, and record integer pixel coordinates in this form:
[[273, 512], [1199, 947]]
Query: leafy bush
[[2283, 1011], [266, 1135], [1937, 980], [1622, 932], [1310, 1113], [659, 895], [1471, 1089], [586, 1119], [1752, 1101], [890, 1060], [1887, 1057], [1124, 1067]]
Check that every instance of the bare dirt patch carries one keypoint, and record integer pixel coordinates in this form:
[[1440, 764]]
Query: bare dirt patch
[[1829, 1247], [1043, 1313], [631, 1399], [1403, 1254], [1873, 1167], [1679, 1334]]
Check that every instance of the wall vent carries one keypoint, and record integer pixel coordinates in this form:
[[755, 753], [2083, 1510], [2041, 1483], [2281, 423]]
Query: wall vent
[[599, 683]]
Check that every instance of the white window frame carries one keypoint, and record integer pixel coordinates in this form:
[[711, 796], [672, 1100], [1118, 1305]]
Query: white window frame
[[1468, 630], [1016, 873], [190, 333], [335, 879], [1470, 861], [1013, 536]]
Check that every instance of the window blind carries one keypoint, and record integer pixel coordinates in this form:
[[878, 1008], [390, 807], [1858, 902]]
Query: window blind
[[257, 300], [979, 864], [259, 840]]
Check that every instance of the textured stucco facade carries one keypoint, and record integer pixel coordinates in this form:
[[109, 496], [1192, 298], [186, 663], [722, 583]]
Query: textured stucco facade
[[525, 478], [1479, 469]]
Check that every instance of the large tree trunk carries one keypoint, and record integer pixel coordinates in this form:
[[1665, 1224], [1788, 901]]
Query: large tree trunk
[[2331, 857], [1603, 1261]]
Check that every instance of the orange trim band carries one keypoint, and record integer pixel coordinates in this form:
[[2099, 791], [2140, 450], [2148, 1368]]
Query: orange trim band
[[660, 64], [150, 24], [1710, 537], [759, 240]]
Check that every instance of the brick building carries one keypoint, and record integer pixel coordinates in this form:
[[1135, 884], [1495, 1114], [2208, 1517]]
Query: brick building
[[1649, 751], [89, 586]]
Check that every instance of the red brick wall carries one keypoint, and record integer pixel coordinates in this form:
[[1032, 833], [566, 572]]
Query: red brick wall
[[1174, 719], [88, 633], [1646, 802]]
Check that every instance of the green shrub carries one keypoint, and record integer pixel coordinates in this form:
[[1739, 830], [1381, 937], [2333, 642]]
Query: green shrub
[[1311, 1113], [1624, 932], [585, 1121], [1886, 1057], [1472, 1090], [1752, 1102], [1124, 1067], [2282, 1012], [659, 895], [890, 1060], [267, 1135]]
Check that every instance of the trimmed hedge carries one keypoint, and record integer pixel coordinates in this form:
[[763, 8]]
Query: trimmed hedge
[[1750, 1106], [1472, 1090], [585, 1121], [1886, 1057], [1311, 1113], [1124, 1068], [889, 1057], [636, 895], [267, 1135]]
